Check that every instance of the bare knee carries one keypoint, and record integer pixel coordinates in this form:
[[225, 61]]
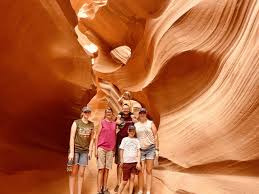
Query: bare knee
[[141, 172], [149, 171], [81, 173], [73, 174], [74, 171], [124, 183], [101, 171]]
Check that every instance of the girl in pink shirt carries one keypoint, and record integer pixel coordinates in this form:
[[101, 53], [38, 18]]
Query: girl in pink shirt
[[104, 152]]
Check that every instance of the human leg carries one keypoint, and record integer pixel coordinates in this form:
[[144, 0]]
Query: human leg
[[108, 166], [131, 182], [80, 179], [101, 168], [83, 162], [149, 168], [72, 177]]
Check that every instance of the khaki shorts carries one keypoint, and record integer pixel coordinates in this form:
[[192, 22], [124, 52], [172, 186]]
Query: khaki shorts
[[105, 158]]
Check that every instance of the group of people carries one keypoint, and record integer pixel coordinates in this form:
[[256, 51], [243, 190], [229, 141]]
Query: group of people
[[132, 141]]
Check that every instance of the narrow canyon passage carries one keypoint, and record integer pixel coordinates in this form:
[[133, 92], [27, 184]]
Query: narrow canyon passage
[[193, 64]]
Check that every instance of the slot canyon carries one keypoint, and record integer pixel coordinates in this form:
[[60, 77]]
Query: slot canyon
[[193, 64]]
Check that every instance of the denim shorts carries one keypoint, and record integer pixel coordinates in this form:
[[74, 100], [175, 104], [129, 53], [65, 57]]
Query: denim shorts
[[148, 153], [81, 158]]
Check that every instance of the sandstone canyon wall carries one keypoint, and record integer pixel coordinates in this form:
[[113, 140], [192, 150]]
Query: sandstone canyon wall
[[45, 79], [193, 64]]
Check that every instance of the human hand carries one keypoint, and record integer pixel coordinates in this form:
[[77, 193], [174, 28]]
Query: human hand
[[90, 154], [96, 154], [134, 119], [157, 153], [71, 156], [121, 164], [138, 166]]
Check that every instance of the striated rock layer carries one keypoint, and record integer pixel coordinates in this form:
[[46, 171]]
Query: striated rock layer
[[193, 64], [45, 79]]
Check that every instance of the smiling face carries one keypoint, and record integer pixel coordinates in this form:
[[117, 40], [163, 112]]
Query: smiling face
[[131, 133], [108, 113], [86, 115], [125, 109], [142, 115]]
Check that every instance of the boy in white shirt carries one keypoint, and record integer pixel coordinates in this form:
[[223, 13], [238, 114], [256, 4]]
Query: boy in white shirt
[[130, 156]]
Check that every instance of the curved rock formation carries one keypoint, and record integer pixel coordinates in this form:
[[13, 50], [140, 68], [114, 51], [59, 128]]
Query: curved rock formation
[[193, 64], [196, 63], [45, 79]]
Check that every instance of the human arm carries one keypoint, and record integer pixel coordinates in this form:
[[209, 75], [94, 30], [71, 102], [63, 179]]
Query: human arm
[[134, 119], [97, 138], [120, 100], [118, 120], [72, 141], [154, 130], [121, 157], [121, 151], [138, 159], [92, 142], [115, 146], [138, 156]]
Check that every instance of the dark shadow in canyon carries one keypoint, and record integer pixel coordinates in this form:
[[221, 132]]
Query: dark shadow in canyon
[[183, 79]]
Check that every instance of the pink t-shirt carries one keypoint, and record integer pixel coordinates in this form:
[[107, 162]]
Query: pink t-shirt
[[107, 136]]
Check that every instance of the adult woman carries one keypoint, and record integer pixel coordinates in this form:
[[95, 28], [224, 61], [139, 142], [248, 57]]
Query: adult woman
[[80, 148], [105, 147], [147, 135]]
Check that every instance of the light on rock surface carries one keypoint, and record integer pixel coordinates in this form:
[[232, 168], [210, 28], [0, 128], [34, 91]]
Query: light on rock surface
[[121, 54], [91, 49]]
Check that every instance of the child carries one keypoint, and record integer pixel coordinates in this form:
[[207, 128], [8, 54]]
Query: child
[[105, 146], [130, 156]]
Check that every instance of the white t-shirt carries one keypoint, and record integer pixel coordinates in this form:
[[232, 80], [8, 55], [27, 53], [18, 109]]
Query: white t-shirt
[[145, 134], [130, 147]]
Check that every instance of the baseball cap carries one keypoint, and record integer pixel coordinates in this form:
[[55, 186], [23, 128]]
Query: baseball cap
[[143, 110], [86, 109], [131, 127]]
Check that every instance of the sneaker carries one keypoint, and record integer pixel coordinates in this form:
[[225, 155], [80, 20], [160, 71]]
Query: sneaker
[[106, 191], [140, 192], [148, 192], [116, 188]]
